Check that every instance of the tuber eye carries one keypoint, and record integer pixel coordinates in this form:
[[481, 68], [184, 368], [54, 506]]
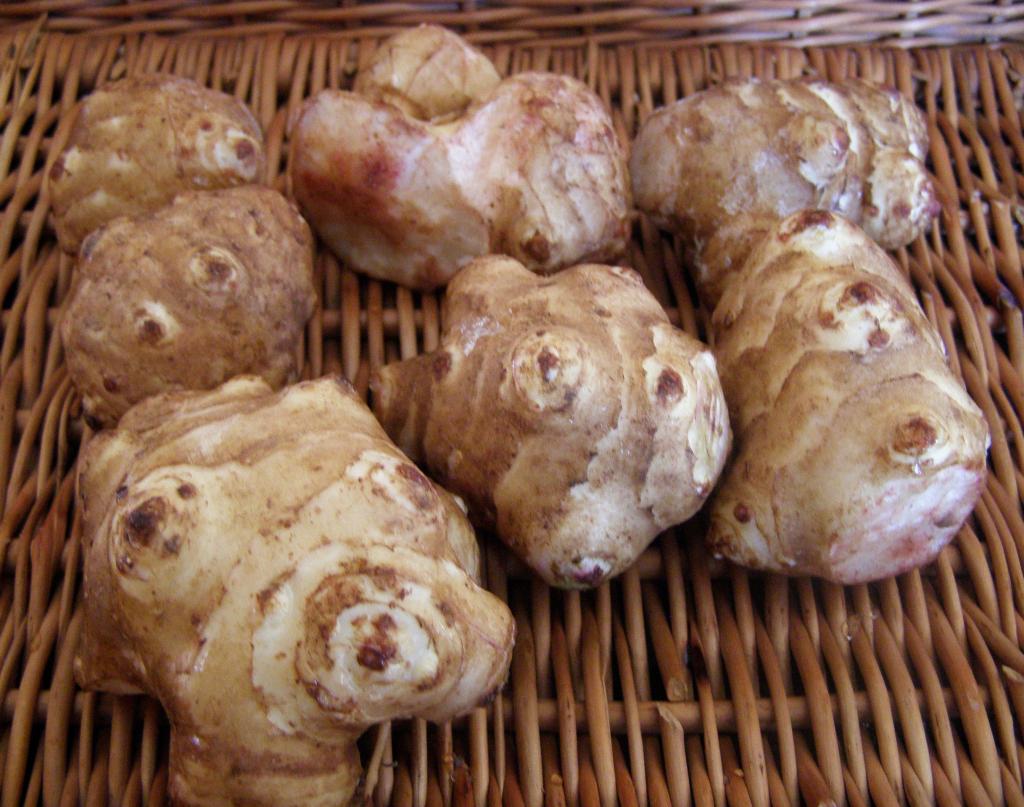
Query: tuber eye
[[859, 293], [547, 369], [670, 386], [214, 269], [142, 523], [914, 436]]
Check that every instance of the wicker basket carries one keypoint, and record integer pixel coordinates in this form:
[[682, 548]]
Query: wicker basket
[[684, 681]]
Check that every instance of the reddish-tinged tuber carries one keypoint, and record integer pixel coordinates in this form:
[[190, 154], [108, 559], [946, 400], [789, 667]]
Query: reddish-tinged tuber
[[433, 161]]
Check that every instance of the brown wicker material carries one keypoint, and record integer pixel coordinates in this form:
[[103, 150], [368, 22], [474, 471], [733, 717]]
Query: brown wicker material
[[804, 23], [683, 682]]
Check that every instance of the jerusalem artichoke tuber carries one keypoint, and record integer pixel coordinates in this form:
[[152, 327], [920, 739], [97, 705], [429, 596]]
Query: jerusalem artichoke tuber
[[281, 577], [433, 162], [858, 453], [216, 284], [723, 166], [570, 414], [138, 142]]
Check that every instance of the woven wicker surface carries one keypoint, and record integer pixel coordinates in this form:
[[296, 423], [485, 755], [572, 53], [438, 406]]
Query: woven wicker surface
[[684, 681], [802, 22]]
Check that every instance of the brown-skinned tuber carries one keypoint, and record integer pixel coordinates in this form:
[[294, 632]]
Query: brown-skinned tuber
[[274, 571]]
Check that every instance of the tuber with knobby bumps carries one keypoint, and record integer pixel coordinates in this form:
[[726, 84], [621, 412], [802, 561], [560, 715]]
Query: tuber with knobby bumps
[[574, 419], [274, 571], [434, 161]]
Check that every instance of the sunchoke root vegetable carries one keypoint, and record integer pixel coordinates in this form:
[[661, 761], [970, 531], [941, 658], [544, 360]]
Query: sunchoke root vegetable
[[568, 411], [433, 162], [138, 142], [723, 166], [275, 572], [216, 284], [858, 452]]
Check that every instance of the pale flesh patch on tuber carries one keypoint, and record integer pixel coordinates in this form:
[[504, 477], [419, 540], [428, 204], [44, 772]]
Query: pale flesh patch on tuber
[[214, 285], [570, 414], [138, 142], [433, 162], [428, 72], [275, 572], [858, 452], [722, 166]]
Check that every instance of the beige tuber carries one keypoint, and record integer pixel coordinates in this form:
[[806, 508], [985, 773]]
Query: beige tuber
[[275, 572], [723, 166], [433, 161], [216, 284], [568, 411], [138, 142], [858, 452]]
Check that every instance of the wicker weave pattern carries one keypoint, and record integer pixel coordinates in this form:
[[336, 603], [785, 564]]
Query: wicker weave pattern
[[550, 22], [683, 682]]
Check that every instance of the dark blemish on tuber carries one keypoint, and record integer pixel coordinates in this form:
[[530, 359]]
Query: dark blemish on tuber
[[806, 220], [150, 331], [445, 609], [827, 319], [142, 522], [244, 150], [742, 513], [547, 361], [384, 576], [217, 270], [377, 650], [172, 545], [121, 492], [860, 292], [57, 170], [257, 223], [205, 125], [878, 338], [670, 386], [901, 210], [124, 564], [186, 490], [442, 364], [422, 490], [538, 248], [914, 436], [110, 384]]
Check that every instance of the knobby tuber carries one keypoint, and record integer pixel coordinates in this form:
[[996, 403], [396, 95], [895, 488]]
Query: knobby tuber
[[722, 166], [573, 417], [858, 452], [275, 572], [216, 284], [433, 161], [138, 142]]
